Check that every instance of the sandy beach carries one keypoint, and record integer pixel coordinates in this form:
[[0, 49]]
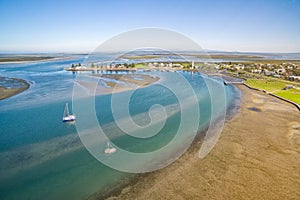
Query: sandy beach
[[256, 157]]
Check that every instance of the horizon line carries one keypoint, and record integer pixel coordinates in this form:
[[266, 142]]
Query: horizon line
[[89, 52]]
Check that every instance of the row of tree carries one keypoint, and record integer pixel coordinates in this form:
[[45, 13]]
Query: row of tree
[[126, 65], [76, 65]]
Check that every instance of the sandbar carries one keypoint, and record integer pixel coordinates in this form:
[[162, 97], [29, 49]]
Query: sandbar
[[113, 83], [12, 86]]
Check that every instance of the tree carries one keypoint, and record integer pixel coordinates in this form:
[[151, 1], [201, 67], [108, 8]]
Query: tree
[[296, 72], [73, 66]]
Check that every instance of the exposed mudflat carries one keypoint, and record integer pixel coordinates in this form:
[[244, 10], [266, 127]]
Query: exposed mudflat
[[256, 157]]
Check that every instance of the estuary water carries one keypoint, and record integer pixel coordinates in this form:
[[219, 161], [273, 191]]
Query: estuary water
[[43, 158]]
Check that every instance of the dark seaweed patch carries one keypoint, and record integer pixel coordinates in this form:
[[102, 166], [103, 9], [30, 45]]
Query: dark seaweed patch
[[254, 109]]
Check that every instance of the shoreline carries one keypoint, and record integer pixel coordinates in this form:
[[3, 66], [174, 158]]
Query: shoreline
[[248, 160], [274, 95], [7, 93]]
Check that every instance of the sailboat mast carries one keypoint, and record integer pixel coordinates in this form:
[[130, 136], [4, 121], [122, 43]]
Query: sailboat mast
[[66, 111]]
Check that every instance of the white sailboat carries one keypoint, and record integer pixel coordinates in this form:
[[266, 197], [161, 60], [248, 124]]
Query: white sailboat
[[67, 117], [109, 149]]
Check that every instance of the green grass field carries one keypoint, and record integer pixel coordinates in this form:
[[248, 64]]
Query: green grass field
[[140, 65], [291, 94], [276, 86]]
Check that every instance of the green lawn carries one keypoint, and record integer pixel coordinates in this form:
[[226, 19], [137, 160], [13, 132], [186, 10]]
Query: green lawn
[[267, 84], [291, 94], [140, 65], [276, 86]]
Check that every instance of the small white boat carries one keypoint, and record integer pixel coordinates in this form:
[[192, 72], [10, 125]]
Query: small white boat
[[67, 117], [109, 149]]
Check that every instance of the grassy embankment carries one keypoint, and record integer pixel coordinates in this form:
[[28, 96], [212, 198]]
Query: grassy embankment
[[276, 86]]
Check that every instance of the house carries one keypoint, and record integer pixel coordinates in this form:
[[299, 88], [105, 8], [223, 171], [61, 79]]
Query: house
[[276, 76], [150, 65], [240, 67], [258, 71], [269, 73], [280, 71], [294, 78], [177, 65], [288, 87]]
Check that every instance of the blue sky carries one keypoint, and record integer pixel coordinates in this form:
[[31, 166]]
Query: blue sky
[[73, 25]]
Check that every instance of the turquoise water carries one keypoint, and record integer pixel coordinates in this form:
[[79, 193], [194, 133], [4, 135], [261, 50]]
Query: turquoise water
[[43, 158]]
